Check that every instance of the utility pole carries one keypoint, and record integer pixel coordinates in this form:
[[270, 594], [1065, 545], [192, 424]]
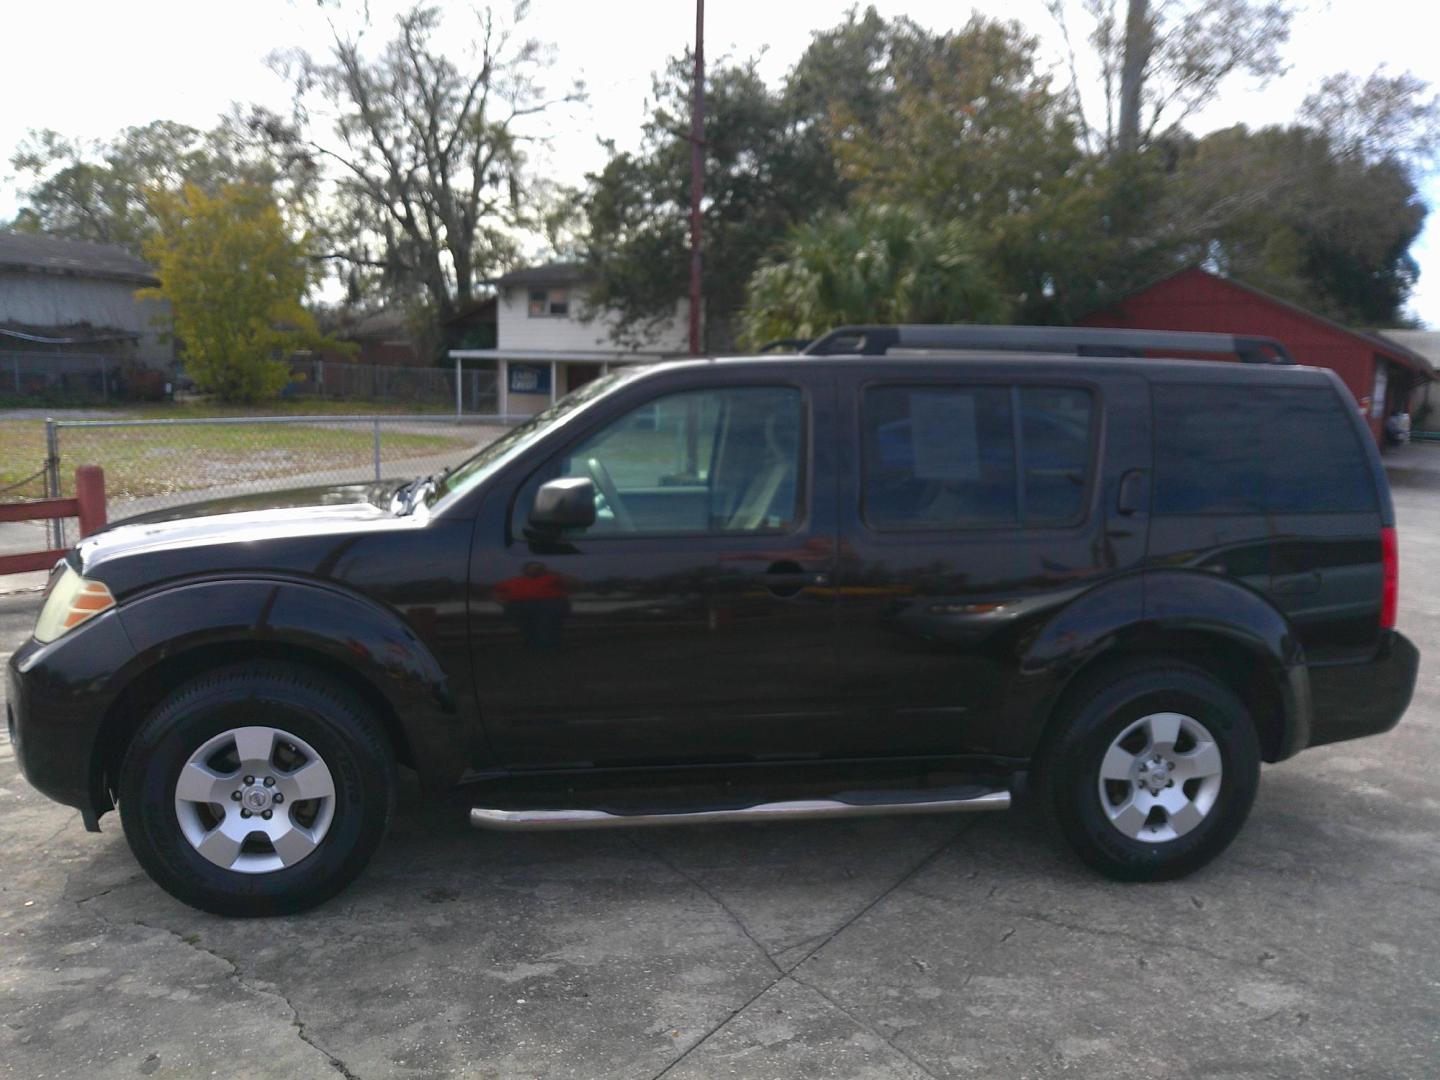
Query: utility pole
[[697, 174]]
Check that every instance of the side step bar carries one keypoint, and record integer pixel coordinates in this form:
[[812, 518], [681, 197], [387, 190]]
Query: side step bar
[[796, 810]]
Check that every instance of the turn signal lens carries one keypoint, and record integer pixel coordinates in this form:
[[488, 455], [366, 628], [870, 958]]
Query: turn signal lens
[[69, 601]]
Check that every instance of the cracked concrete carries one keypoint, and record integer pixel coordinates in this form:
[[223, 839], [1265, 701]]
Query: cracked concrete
[[919, 948]]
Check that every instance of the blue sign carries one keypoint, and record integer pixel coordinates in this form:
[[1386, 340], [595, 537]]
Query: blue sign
[[529, 378]]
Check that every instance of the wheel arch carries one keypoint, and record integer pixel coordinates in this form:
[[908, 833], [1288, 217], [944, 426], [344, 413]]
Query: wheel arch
[[1212, 623], [182, 631], [1275, 694], [153, 684]]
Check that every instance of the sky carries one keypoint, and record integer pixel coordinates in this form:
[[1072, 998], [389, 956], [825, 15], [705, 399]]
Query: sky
[[92, 67]]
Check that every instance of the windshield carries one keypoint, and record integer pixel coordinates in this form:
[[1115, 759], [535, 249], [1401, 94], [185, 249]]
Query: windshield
[[467, 476]]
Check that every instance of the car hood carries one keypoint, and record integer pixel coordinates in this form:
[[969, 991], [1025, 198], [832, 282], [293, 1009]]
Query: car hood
[[282, 530], [376, 494]]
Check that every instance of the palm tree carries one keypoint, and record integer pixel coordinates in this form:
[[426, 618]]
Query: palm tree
[[879, 264]]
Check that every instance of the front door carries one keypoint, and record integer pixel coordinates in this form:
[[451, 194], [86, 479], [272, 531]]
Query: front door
[[694, 620]]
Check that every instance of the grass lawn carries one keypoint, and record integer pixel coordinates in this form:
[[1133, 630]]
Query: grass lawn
[[145, 461], [22, 452]]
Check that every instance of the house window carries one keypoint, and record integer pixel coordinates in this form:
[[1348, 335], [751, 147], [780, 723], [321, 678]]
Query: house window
[[549, 303]]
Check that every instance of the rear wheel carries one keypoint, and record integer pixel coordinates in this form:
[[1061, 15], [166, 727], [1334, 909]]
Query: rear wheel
[[260, 789], [1152, 772]]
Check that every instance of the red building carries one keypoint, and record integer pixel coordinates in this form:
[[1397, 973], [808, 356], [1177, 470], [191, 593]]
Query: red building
[[1381, 373]]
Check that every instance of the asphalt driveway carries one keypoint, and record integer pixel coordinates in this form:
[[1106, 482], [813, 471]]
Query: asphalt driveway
[[941, 947]]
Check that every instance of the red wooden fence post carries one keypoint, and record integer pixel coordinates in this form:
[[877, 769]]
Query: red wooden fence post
[[90, 495]]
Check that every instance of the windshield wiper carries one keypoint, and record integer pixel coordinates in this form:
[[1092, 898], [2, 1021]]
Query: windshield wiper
[[408, 496]]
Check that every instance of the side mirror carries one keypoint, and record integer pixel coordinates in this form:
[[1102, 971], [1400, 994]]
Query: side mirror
[[567, 503]]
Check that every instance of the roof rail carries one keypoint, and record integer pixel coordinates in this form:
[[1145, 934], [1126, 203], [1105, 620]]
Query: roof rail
[[1080, 340]]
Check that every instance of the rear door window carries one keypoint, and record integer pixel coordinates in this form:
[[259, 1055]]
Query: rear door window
[[946, 456], [1055, 425]]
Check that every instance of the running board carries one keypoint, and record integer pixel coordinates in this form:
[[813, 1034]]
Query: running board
[[797, 810]]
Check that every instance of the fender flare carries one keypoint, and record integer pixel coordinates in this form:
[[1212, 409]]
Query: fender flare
[[1164, 610], [274, 615]]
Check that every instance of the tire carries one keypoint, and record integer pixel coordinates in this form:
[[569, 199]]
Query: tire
[[282, 857], [1156, 813]]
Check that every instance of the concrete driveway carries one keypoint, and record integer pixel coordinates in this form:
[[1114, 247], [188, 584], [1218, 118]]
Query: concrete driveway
[[940, 947]]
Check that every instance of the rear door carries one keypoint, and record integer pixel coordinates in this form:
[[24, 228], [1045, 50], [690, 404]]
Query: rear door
[[694, 621], [977, 499]]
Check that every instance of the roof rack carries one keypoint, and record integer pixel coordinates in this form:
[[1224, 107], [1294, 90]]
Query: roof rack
[[1081, 340]]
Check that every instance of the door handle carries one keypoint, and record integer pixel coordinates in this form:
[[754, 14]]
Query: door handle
[[786, 579], [795, 579], [1134, 492]]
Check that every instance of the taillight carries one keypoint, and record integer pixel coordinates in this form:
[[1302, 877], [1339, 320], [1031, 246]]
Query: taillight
[[1390, 594]]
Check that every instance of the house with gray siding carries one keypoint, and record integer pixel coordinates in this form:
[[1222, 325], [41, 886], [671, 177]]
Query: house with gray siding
[[67, 304]]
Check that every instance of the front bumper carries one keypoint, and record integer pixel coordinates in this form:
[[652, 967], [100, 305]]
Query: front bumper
[[1350, 701], [57, 697]]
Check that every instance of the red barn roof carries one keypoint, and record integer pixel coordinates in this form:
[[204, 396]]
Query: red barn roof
[[1195, 299]]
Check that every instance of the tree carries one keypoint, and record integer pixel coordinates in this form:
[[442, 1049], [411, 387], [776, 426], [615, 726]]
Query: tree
[[1384, 117], [876, 264], [769, 165], [966, 126], [757, 185], [235, 279], [1160, 64], [428, 152], [1285, 209], [1101, 231], [100, 191]]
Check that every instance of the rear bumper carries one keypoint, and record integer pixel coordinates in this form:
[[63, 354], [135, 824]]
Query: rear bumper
[[1350, 701]]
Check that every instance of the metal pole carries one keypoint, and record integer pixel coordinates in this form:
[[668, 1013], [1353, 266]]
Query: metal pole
[[503, 376], [104, 390], [54, 528], [697, 174], [459, 393], [377, 447]]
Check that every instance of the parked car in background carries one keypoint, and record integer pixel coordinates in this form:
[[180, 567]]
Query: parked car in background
[[909, 571]]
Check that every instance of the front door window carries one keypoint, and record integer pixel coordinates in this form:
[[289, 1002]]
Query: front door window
[[700, 462]]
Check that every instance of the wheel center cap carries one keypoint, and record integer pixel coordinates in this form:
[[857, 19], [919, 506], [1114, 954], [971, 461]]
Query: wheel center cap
[[1155, 774], [256, 799]]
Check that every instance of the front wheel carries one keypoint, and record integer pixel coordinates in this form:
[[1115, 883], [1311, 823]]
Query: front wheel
[[261, 789], [1152, 772]]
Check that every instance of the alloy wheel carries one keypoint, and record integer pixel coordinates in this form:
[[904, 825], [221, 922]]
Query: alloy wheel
[[255, 800], [1161, 777]]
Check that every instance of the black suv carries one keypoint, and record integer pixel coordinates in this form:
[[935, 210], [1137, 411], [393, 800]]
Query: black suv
[[900, 573]]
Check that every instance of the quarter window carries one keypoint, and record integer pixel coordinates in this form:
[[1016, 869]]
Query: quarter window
[[1255, 450], [706, 461]]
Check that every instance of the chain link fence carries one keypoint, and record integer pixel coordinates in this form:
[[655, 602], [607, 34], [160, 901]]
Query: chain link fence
[[79, 378], [46, 378], [157, 464], [476, 391]]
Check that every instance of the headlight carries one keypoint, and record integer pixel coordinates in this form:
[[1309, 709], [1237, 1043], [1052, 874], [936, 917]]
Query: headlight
[[69, 600]]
